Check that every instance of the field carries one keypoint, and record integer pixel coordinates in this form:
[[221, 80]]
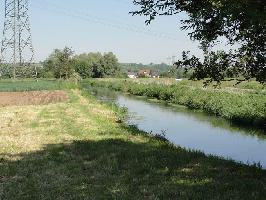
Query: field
[[243, 104], [31, 98], [33, 85], [78, 149]]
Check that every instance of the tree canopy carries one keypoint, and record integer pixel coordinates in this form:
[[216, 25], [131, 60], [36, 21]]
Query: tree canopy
[[64, 64], [241, 22], [97, 65], [59, 63]]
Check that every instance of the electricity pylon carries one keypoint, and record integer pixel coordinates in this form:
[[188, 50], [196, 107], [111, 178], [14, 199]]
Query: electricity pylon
[[16, 48]]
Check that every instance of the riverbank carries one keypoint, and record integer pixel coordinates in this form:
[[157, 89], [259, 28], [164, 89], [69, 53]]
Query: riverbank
[[245, 108], [78, 149]]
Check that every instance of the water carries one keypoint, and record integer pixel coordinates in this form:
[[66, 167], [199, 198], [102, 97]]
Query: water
[[192, 129]]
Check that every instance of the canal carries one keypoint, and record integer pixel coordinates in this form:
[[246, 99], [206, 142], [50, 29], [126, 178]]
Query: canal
[[191, 129]]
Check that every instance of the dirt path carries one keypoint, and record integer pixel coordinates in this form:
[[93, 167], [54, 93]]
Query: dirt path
[[31, 98]]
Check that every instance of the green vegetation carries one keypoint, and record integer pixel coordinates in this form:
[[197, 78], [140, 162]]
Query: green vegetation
[[77, 150], [64, 64], [234, 85], [60, 64], [135, 67], [6, 71], [97, 65], [239, 106], [162, 69], [212, 21], [30, 85]]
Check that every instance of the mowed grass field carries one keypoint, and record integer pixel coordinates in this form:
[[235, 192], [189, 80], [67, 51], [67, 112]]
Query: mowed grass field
[[76, 149]]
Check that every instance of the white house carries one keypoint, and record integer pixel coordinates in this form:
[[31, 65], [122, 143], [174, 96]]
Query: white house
[[132, 75]]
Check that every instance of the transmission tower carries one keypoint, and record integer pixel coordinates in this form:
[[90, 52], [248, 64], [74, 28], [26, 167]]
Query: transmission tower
[[16, 48]]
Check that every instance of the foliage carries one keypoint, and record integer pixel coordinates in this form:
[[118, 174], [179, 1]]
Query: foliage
[[97, 65], [135, 67], [63, 64], [242, 22], [6, 71], [60, 63], [86, 64], [216, 65], [22, 72], [176, 73], [109, 67]]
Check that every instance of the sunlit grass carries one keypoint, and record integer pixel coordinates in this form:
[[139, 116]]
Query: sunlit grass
[[76, 150]]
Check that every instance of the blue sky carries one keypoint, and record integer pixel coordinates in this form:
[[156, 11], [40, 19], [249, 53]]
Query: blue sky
[[103, 26]]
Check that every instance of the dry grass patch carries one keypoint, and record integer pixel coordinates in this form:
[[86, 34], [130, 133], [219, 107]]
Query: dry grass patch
[[28, 128], [31, 98]]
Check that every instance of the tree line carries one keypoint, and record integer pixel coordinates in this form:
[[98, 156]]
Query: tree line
[[64, 64], [135, 67]]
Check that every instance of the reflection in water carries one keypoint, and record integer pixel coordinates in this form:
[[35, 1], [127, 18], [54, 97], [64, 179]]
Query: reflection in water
[[192, 129]]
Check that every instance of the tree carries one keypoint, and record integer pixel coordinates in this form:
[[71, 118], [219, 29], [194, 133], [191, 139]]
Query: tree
[[97, 65], [83, 65], [60, 62], [214, 66], [242, 22], [6, 71], [110, 64]]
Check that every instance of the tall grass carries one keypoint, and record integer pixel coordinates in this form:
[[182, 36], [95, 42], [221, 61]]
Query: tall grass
[[30, 85], [245, 108]]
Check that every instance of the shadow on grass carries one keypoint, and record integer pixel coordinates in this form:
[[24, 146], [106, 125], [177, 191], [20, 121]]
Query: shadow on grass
[[119, 169]]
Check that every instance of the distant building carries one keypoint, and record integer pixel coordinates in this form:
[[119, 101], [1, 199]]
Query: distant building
[[145, 73], [132, 75], [155, 75]]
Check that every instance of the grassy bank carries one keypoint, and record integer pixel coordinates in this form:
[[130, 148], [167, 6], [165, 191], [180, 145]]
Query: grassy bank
[[31, 85], [230, 85], [77, 150], [239, 107]]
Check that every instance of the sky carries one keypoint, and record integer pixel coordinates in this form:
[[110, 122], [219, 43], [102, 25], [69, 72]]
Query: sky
[[104, 26]]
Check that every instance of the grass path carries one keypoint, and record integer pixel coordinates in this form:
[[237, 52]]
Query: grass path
[[76, 150]]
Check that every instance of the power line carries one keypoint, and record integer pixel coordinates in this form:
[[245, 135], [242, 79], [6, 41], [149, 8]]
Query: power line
[[98, 20], [123, 1]]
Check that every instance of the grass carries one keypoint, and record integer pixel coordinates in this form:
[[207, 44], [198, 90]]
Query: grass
[[230, 85], [240, 107], [77, 150], [32, 85]]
